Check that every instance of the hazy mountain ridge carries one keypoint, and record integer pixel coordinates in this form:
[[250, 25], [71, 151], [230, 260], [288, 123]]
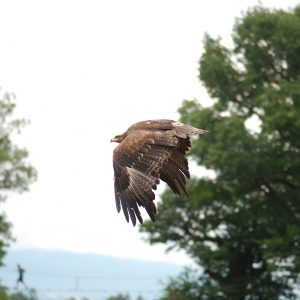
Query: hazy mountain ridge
[[60, 274]]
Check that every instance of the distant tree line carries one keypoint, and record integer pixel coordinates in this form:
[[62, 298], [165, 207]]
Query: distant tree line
[[31, 294]]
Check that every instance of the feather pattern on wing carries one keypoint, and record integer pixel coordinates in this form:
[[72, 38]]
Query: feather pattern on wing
[[150, 151]]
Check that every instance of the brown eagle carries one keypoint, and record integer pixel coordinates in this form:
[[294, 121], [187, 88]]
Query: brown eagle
[[149, 151]]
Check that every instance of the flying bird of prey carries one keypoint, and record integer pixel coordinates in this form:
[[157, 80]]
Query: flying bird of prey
[[147, 152]]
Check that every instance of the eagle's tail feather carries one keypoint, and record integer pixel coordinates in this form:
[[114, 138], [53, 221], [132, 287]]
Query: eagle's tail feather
[[183, 130]]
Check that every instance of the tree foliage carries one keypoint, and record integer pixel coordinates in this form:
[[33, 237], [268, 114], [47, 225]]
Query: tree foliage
[[16, 173], [242, 227], [72, 298], [29, 295], [3, 293], [123, 297], [17, 295], [119, 297]]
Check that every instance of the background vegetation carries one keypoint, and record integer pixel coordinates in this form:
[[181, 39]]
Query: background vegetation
[[242, 227]]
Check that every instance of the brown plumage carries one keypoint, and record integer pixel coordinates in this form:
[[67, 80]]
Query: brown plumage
[[150, 151]]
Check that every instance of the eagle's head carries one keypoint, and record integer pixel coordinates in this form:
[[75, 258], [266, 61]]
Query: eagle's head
[[118, 138]]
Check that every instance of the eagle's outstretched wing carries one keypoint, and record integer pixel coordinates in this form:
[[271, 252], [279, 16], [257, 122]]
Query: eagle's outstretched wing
[[150, 151]]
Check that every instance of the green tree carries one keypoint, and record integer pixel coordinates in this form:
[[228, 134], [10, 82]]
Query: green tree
[[123, 297], [242, 227], [3, 293], [119, 297], [72, 298], [30, 295], [15, 172]]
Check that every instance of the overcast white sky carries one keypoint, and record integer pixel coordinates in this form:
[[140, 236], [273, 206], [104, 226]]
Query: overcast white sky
[[83, 71]]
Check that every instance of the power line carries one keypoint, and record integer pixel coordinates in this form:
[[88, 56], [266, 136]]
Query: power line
[[82, 276], [74, 290]]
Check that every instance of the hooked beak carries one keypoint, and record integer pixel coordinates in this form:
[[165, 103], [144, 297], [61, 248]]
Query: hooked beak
[[113, 140]]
